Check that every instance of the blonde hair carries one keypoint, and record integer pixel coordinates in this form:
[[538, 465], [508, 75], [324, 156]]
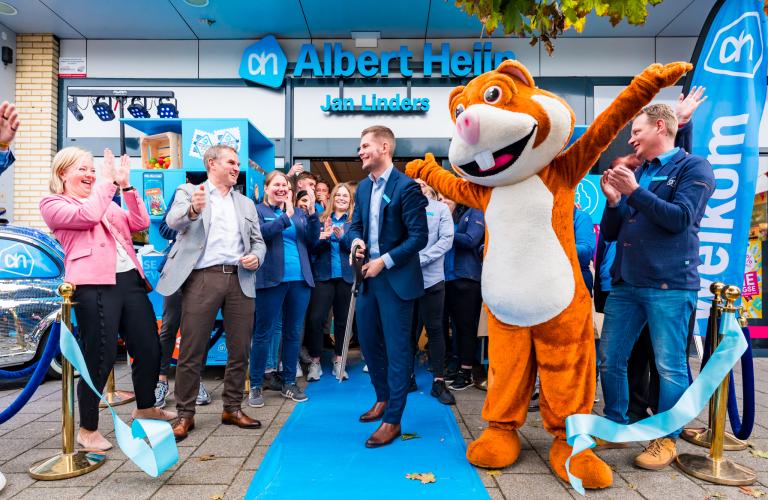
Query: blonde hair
[[663, 112], [332, 201], [64, 159], [382, 133]]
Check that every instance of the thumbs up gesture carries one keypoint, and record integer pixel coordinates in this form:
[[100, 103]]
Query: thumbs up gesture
[[198, 202]]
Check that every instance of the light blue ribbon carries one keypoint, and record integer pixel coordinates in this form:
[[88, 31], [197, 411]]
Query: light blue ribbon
[[153, 458], [580, 428]]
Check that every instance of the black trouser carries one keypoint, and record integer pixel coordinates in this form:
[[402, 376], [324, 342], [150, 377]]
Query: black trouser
[[428, 312], [463, 300], [334, 292], [103, 311], [168, 329]]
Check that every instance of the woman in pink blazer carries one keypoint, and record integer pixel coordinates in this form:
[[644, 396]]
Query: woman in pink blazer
[[110, 294]]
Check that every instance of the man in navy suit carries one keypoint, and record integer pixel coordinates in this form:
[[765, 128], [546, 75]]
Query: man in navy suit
[[653, 214], [391, 224]]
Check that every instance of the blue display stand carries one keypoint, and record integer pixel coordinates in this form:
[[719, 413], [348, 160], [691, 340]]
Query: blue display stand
[[257, 157]]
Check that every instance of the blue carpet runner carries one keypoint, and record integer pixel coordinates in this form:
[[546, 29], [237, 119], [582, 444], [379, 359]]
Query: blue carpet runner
[[320, 451]]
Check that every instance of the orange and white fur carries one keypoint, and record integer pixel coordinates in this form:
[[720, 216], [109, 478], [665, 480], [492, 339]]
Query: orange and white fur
[[507, 149]]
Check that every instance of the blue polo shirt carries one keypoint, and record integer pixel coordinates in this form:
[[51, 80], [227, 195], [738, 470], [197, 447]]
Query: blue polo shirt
[[335, 254], [651, 168], [291, 261]]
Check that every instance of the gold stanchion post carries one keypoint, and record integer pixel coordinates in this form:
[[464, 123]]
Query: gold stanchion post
[[114, 397], [69, 463], [703, 437], [714, 467]]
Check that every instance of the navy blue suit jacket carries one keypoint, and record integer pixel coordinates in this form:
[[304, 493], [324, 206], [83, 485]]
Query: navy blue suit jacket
[[402, 230], [657, 229], [270, 273], [321, 266]]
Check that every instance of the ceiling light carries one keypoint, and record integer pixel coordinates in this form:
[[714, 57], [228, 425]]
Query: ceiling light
[[103, 109], [7, 9], [166, 108], [138, 109], [73, 107], [196, 3], [366, 39]]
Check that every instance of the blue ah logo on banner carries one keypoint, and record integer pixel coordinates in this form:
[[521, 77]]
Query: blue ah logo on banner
[[729, 62], [264, 63]]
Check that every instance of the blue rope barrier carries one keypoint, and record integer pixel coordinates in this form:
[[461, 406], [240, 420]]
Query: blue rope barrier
[[41, 368], [11, 375], [742, 428]]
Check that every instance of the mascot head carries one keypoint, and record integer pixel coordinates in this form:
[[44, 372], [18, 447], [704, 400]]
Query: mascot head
[[506, 129]]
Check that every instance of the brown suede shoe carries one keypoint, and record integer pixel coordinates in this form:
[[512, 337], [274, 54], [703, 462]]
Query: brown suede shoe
[[240, 419], [182, 426], [375, 413], [660, 453], [385, 434]]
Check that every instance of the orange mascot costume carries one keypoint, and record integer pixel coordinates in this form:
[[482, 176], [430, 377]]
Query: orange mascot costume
[[508, 150]]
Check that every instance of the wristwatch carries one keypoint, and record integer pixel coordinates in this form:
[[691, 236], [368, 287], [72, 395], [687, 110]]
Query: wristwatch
[[129, 188]]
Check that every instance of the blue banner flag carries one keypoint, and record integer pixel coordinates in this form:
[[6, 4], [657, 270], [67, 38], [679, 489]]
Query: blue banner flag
[[730, 62]]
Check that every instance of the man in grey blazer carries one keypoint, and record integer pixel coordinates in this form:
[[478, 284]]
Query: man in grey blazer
[[217, 252]]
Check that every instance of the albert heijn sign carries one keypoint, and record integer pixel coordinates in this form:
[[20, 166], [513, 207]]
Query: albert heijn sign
[[265, 63]]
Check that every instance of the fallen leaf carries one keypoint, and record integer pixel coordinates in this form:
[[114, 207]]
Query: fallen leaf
[[493, 472], [717, 494], [207, 457], [757, 452], [217, 496], [424, 477], [632, 486], [407, 436], [751, 491]]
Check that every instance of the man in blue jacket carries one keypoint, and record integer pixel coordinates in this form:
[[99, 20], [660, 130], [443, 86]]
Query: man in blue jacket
[[389, 223], [654, 215], [9, 123]]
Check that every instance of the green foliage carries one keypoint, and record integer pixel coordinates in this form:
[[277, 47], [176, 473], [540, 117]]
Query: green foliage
[[545, 20]]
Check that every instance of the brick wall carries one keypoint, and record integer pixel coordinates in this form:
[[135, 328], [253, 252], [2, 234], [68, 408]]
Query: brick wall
[[37, 90]]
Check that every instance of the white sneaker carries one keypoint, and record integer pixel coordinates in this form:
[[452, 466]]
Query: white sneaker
[[315, 372], [299, 371], [365, 368], [336, 368]]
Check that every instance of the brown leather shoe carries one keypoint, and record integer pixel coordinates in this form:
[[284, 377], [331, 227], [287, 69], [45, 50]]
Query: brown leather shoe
[[385, 434], [182, 426], [240, 419], [375, 413]]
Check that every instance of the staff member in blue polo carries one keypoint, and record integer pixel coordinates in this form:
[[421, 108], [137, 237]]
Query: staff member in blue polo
[[333, 280], [283, 283], [654, 215], [390, 224]]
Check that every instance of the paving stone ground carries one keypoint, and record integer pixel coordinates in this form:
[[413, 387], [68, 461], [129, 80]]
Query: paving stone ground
[[33, 435]]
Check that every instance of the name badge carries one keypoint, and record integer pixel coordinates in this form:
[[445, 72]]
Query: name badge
[[659, 178], [386, 198], [268, 218]]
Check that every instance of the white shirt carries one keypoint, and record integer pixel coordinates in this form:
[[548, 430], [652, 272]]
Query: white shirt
[[123, 262], [224, 244]]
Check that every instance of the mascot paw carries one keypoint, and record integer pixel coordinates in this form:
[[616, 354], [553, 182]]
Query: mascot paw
[[494, 449], [414, 168], [593, 472], [667, 74]]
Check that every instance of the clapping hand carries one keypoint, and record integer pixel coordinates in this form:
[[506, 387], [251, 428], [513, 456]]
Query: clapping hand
[[108, 172], [611, 193], [9, 123]]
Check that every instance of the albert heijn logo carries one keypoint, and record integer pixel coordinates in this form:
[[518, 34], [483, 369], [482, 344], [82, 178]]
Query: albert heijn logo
[[264, 63], [737, 49]]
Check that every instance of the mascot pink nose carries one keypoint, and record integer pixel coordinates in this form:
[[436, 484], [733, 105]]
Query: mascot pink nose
[[468, 127]]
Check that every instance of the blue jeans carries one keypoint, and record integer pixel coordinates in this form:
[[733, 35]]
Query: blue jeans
[[288, 300], [273, 350], [627, 310]]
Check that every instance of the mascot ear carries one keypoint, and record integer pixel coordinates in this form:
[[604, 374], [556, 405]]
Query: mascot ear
[[456, 91], [516, 70]]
